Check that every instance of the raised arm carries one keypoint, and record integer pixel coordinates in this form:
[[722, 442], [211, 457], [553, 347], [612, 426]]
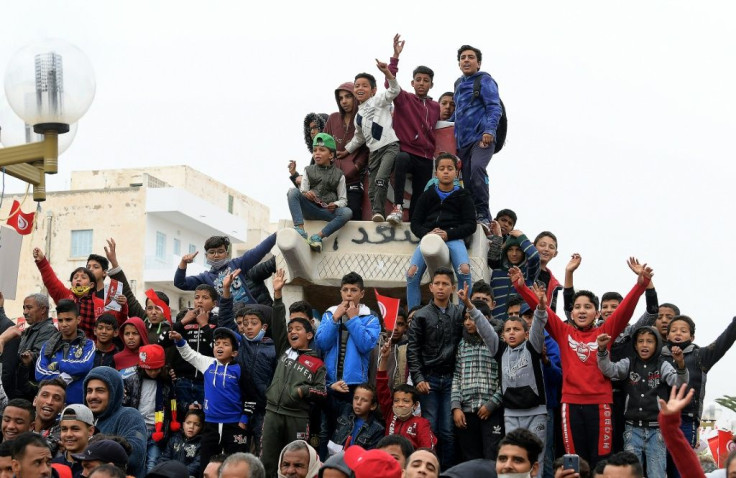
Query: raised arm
[[675, 376], [485, 329], [621, 316], [196, 359], [56, 288], [393, 64], [615, 370], [278, 321], [253, 256], [226, 316], [135, 309], [714, 352], [384, 98], [686, 461], [536, 334]]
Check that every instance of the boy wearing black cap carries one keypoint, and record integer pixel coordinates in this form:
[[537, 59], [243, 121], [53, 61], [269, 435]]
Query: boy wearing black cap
[[299, 378], [322, 194], [226, 408]]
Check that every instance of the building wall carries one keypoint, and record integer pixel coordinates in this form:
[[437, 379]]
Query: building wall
[[105, 201]]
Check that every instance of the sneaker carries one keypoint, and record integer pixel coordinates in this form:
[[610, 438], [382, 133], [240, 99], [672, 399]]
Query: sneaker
[[300, 230], [396, 216], [315, 243], [378, 217]]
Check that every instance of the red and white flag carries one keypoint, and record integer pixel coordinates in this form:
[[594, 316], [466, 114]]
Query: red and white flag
[[20, 221], [389, 309], [720, 446]]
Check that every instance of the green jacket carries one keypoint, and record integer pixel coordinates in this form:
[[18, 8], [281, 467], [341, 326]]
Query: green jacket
[[306, 373]]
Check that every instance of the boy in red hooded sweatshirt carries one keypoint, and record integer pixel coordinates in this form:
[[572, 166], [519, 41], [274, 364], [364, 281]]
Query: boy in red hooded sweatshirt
[[82, 291], [587, 396], [134, 334]]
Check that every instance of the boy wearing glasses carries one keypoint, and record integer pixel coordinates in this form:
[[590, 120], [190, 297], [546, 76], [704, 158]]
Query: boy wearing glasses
[[217, 249]]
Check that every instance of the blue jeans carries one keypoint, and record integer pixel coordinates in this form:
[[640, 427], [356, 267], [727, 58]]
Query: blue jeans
[[153, 452], [188, 391], [649, 441], [302, 208], [436, 407], [475, 176], [549, 446], [458, 257]]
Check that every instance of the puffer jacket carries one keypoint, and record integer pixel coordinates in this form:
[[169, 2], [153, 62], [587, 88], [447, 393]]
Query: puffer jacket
[[369, 435]]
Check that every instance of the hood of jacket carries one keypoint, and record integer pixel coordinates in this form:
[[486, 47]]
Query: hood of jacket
[[347, 86], [321, 119], [114, 382], [653, 331], [139, 325], [337, 462], [314, 462], [512, 241]]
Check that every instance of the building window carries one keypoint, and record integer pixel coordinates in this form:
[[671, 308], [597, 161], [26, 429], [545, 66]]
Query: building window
[[81, 243], [160, 245], [177, 247], [192, 248], [230, 200]]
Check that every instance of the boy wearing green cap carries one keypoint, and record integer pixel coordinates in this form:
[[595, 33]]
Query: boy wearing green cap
[[322, 194]]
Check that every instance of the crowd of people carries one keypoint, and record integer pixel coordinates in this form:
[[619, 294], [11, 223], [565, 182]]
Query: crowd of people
[[484, 379]]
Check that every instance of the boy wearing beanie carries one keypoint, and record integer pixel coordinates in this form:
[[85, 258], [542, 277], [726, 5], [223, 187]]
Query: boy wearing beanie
[[150, 391], [322, 194]]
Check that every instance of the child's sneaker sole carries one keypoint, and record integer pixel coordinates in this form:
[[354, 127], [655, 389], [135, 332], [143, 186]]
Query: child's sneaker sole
[[394, 219], [378, 217]]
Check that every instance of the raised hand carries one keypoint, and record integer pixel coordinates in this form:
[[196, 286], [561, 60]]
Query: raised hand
[[541, 293], [227, 281], [678, 356], [634, 265], [462, 294], [187, 259], [384, 69], [603, 340], [398, 45], [678, 400], [292, 167], [516, 233], [645, 274], [517, 278], [574, 263], [495, 228], [38, 255], [111, 252], [278, 280]]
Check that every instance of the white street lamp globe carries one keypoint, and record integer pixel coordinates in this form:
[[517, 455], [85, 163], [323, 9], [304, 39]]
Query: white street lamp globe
[[14, 132], [50, 84]]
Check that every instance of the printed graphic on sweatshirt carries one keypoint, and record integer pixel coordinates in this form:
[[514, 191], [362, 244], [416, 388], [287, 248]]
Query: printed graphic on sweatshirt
[[583, 350]]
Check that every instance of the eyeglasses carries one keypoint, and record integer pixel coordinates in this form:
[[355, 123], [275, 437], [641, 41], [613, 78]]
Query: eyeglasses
[[217, 252]]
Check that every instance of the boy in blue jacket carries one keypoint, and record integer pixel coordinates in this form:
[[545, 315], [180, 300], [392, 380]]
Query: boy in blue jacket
[[346, 336], [217, 249], [226, 408], [256, 355], [68, 354], [476, 120]]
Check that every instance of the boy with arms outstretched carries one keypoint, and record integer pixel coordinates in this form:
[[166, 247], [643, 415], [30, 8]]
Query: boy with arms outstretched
[[586, 392], [299, 378], [373, 127], [647, 377]]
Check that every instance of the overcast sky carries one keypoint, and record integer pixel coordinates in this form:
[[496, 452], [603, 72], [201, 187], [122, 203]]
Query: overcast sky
[[620, 113]]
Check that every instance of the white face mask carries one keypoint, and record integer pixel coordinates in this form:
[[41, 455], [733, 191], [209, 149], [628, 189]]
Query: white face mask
[[528, 474], [218, 264]]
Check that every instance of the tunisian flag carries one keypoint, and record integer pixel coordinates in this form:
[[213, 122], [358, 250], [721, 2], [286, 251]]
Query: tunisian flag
[[20, 221], [720, 446], [389, 309]]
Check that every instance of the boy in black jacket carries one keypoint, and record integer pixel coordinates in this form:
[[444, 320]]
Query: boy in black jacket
[[446, 210]]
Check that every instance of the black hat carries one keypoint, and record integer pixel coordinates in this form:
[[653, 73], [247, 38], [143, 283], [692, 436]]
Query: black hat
[[106, 451]]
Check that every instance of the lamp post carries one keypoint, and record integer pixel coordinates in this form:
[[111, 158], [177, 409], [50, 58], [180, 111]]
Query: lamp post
[[50, 85]]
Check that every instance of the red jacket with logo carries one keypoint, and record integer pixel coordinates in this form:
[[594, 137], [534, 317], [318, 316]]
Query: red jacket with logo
[[415, 429]]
